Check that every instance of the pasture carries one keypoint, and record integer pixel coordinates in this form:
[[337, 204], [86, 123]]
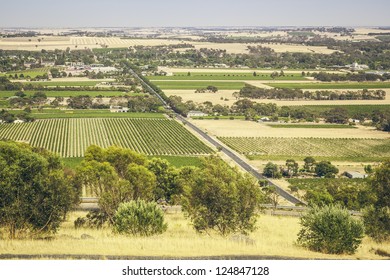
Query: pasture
[[71, 137]]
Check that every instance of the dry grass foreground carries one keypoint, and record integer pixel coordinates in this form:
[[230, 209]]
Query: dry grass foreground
[[275, 238]]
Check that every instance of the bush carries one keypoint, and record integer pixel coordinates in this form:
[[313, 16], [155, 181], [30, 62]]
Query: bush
[[377, 223], [139, 218], [330, 230]]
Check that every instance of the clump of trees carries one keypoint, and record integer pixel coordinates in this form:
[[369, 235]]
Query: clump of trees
[[219, 198], [297, 94], [35, 193], [330, 230]]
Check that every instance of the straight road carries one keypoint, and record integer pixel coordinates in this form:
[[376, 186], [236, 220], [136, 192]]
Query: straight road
[[225, 150]]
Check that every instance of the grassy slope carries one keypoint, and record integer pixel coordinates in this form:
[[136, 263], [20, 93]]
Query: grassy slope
[[275, 236]]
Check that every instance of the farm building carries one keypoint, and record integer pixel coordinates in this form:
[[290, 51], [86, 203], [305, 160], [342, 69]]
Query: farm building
[[18, 121], [119, 109], [196, 114], [355, 175]]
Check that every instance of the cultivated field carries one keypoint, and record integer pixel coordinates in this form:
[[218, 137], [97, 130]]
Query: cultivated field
[[319, 148], [71, 137], [335, 85], [241, 128], [223, 97], [274, 238], [74, 43]]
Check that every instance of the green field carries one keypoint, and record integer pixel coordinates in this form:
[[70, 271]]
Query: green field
[[340, 85], [69, 93], [278, 148], [224, 76], [67, 114], [68, 83], [32, 73], [297, 125], [196, 85], [71, 137]]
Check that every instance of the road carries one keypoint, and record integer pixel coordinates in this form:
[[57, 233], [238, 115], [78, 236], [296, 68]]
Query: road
[[223, 149]]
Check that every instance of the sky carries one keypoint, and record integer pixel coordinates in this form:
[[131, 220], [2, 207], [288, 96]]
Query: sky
[[198, 13]]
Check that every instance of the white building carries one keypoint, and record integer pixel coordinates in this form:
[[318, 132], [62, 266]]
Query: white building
[[196, 114], [119, 109]]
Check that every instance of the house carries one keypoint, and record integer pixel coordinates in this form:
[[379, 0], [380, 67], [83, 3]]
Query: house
[[119, 109], [264, 119], [355, 175], [18, 121], [196, 114]]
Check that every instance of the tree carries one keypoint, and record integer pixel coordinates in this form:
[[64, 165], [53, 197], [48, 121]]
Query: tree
[[220, 198], [166, 179], [330, 230], [271, 170], [337, 115], [377, 217], [35, 195], [326, 169], [309, 164], [292, 167], [142, 182], [139, 218]]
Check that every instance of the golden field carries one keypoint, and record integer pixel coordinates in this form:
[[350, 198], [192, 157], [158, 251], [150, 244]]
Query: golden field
[[274, 238]]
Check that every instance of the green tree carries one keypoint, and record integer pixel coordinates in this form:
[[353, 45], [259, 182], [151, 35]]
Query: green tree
[[166, 178], [337, 115], [271, 170], [142, 182], [139, 218], [326, 169], [220, 198], [35, 195], [330, 230], [377, 217], [309, 164]]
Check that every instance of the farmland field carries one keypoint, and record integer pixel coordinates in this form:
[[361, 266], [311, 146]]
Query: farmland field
[[205, 76], [71, 137], [295, 125], [198, 84], [66, 83], [68, 93], [67, 114], [298, 148], [343, 85]]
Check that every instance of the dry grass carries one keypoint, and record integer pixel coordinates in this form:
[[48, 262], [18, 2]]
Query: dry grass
[[241, 128], [275, 236]]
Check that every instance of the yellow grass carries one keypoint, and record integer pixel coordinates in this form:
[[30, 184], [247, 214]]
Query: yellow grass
[[275, 236], [241, 128]]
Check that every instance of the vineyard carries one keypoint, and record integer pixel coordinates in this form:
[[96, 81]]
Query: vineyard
[[336, 148], [71, 137]]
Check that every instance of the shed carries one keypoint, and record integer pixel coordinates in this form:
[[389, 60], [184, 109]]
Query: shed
[[355, 175]]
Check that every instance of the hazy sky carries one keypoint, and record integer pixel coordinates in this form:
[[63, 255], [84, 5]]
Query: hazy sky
[[145, 13]]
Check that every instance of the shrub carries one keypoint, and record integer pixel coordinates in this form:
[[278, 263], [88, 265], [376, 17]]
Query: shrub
[[139, 218], [330, 230], [377, 223]]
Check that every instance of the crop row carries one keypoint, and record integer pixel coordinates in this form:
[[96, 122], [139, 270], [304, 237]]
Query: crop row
[[316, 147], [71, 137]]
